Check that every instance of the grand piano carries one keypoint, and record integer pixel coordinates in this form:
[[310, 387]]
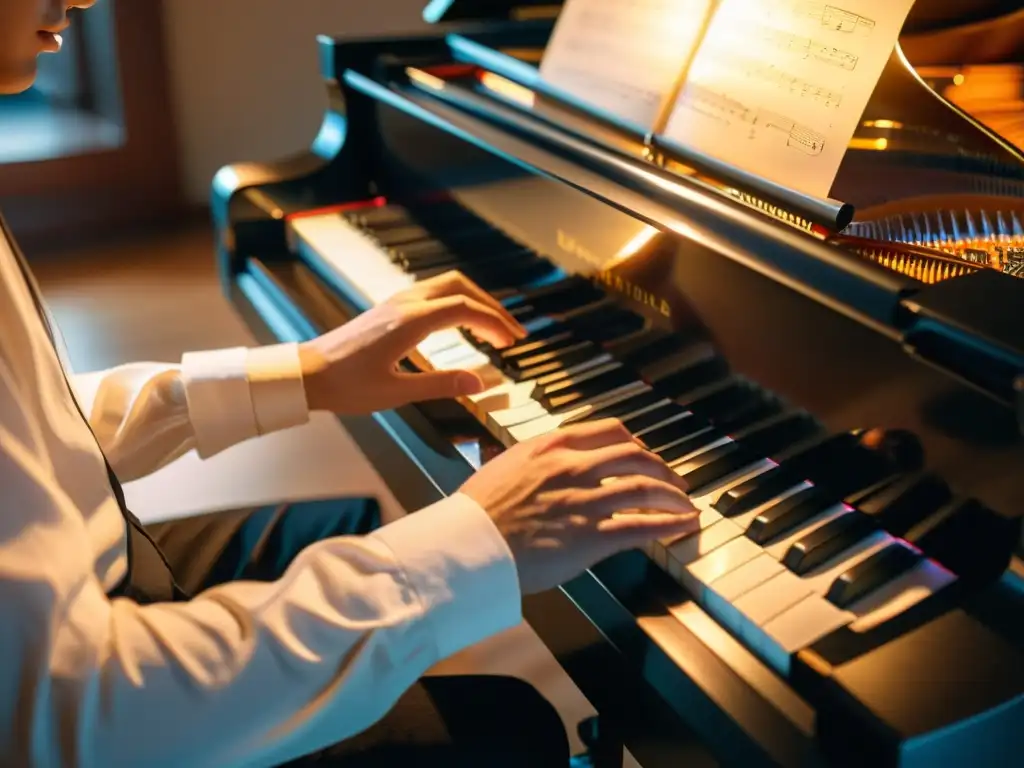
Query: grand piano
[[840, 380]]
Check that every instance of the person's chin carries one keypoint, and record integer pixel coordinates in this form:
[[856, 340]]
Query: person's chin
[[17, 79]]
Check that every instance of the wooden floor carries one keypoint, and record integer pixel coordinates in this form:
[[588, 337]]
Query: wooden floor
[[154, 297]]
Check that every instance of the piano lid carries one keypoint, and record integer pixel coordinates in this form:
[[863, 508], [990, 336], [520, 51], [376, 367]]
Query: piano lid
[[438, 11]]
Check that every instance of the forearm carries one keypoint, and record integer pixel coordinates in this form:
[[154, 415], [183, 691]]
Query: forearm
[[145, 415], [261, 673]]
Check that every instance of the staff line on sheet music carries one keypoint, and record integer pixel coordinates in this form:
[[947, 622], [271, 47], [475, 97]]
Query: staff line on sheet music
[[624, 90], [718, 106], [781, 79], [835, 18]]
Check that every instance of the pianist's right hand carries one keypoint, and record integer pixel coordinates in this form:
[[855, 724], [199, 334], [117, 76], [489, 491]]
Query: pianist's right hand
[[568, 500]]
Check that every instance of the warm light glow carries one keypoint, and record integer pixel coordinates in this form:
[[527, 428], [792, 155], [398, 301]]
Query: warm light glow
[[882, 124], [958, 79], [508, 89], [421, 77], [876, 144], [637, 243]]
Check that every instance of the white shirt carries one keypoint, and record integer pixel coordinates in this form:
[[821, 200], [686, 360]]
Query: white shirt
[[244, 674]]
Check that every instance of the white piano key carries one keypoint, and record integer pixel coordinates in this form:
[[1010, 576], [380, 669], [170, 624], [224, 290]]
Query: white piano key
[[820, 579], [920, 582], [508, 394], [463, 356], [517, 414], [798, 627], [748, 576], [766, 601], [357, 260], [717, 564], [439, 341], [694, 546], [779, 547], [541, 422]]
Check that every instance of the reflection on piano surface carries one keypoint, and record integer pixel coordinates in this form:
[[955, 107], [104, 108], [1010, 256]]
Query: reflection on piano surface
[[843, 404]]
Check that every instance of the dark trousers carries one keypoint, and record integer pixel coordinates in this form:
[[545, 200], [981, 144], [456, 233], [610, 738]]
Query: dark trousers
[[479, 721]]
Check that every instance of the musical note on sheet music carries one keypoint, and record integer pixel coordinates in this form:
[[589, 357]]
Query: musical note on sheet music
[[836, 18], [623, 56], [806, 47], [756, 121], [823, 61], [783, 79]]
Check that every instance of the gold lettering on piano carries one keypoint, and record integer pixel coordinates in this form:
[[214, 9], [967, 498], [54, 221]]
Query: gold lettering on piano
[[608, 278]]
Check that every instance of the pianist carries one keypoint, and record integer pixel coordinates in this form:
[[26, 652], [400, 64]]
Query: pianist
[[269, 635]]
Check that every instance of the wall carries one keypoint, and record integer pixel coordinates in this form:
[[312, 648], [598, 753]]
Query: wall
[[244, 73]]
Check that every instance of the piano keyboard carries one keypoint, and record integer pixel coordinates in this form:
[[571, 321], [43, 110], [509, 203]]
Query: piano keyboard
[[802, 533]]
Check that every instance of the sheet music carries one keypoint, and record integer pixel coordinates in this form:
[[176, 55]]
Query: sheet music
[[778, 88], [623, 56]]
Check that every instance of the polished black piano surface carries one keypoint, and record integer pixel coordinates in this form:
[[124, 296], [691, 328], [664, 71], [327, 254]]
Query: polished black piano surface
[[845, 398]]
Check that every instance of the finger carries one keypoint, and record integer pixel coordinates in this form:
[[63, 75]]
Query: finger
[[453, 312], [455, 283], [591, 435], [440, 385], [627, 459], [636, 492], [630, 530]]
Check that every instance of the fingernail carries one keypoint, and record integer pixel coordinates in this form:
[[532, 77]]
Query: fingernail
[[469, 384]]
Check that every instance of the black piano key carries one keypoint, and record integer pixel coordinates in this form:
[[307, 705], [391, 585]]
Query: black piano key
[[714, 466], [776, 433], [676, 431], [843, 463], [378, 217], [703, 373], [902, 504], [654, 416], [408, 233], [971, 539], [868, 575], [743, 416], [573, 290], [550, 386], [618, 410], [590, 388], [787, 514], [539, 341], [556, 359], [824, 543], [701, 435], [761, 489], [722, 399]]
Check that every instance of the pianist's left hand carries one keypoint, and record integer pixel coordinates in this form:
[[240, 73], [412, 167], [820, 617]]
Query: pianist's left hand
[[354, 369]]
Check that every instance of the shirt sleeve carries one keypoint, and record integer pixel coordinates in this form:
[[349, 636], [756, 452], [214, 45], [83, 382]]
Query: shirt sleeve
[[145, 415], [244, 674]]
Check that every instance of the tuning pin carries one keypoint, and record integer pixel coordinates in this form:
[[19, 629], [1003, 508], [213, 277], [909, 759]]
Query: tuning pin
[[927, 238], [986, 226], [1004, 231], [940, 231], [918, 234], [954, 231], [972, 231], [1017, 231]]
